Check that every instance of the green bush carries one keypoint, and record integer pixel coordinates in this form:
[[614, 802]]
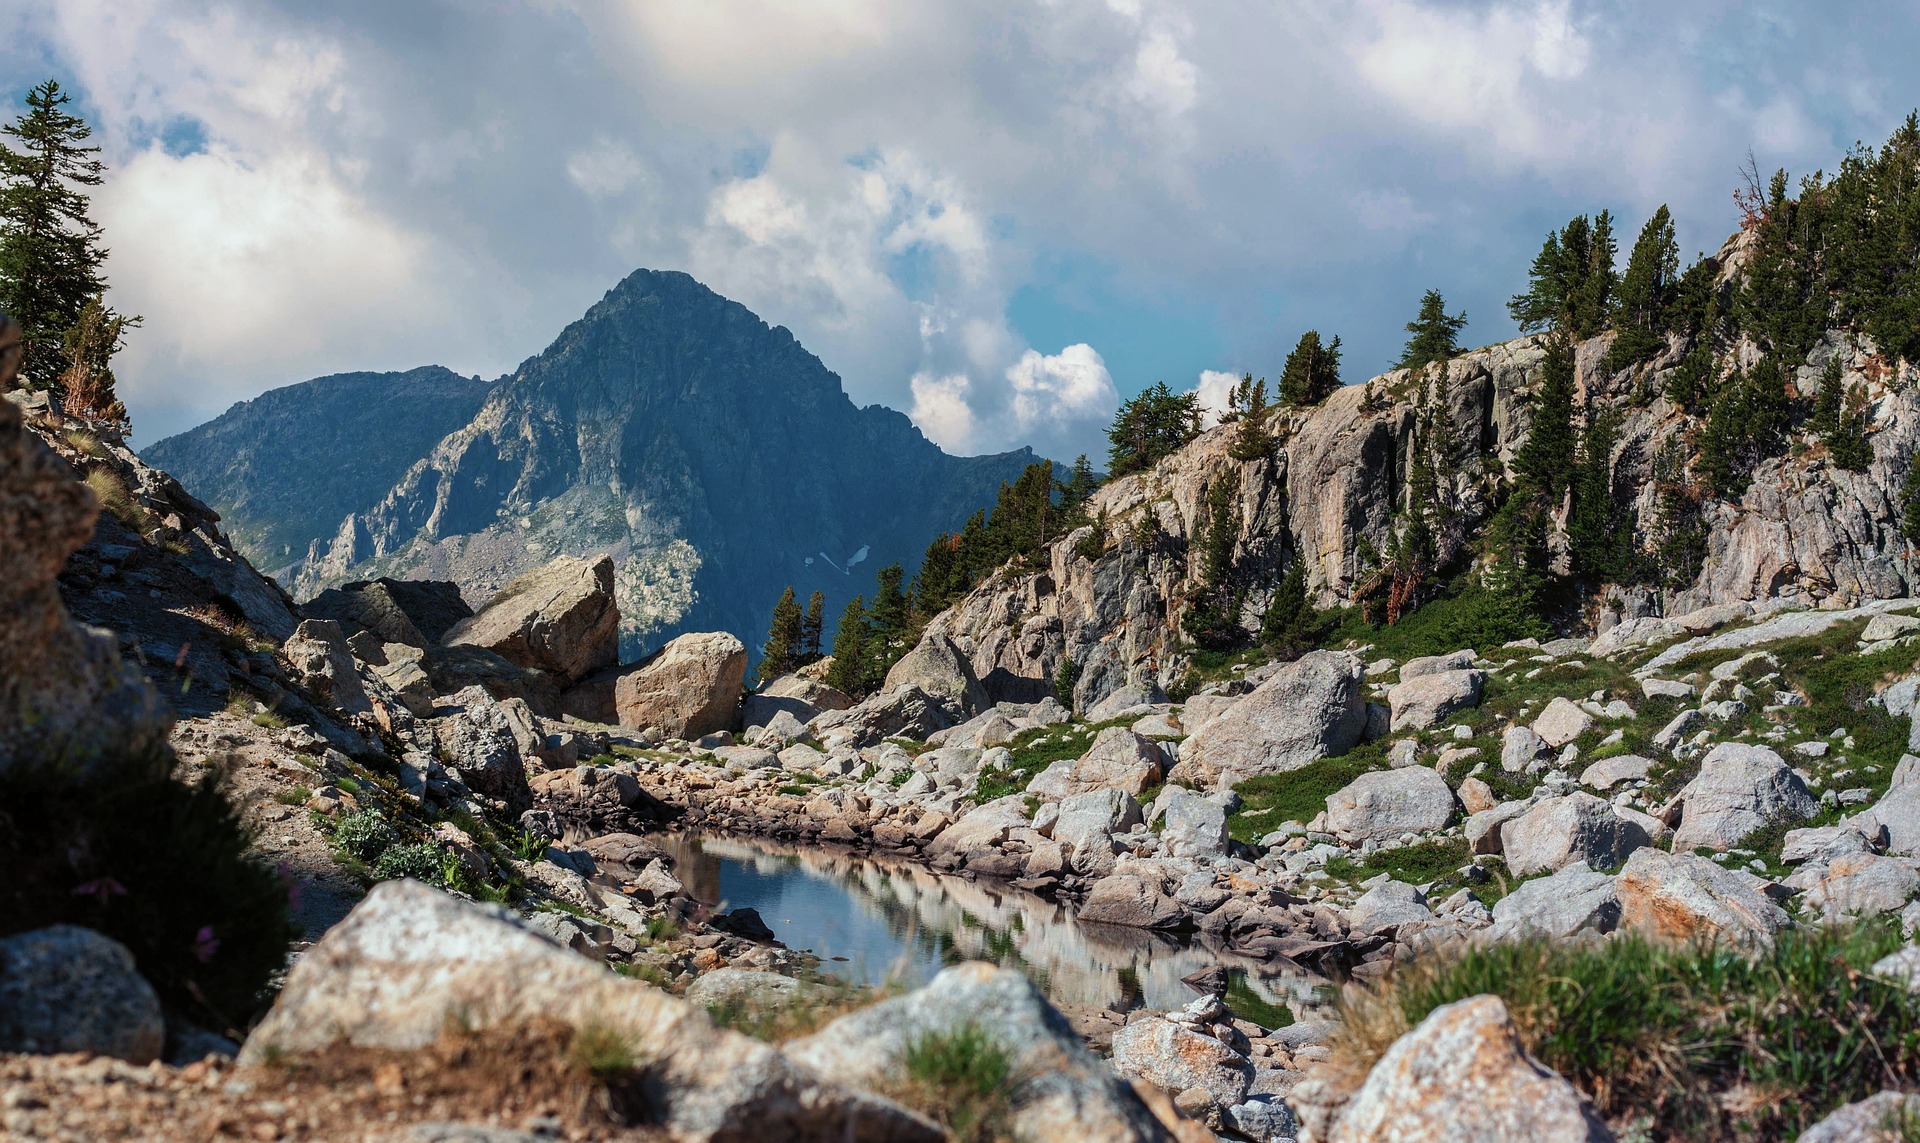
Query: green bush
[[1681, 1039], [964, 1079], [1297, 795], [418, 860], [159, 865], [364, 835]]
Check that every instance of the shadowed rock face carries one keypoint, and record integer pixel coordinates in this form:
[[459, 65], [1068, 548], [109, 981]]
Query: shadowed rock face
[[64, 691], [710, 455]]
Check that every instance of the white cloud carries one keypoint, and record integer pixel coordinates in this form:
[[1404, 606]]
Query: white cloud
[[1058, 396], [1215, 390], [604, 169], [940, 409]]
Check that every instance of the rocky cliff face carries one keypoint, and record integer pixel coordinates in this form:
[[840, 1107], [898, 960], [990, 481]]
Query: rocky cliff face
[[710, 455], [1805, 530]]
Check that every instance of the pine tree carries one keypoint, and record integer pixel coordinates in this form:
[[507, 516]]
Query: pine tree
[[1570, 285], [1435, 333], [1680, 538], [1847, 445], [1288, 625], [1311, 372], [1252, 438], [1064, 681], [782, 651], [87, 383], [1643, 304], [812, 626], [1910, 501], [1692, 380], [1076, 490], [50, 252], [1599, 533], [1544, 461], [1151, 426], [1212, 621], [1592, 297], [847, 672]]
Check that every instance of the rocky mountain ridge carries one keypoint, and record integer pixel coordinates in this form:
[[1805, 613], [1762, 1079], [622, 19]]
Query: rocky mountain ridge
[[710, 455]]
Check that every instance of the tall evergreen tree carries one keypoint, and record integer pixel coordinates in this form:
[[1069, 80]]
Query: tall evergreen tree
[[1599, 532], [1311, 372], [847, 672], [1570, 285], [50, 251], [1545, 460], [1252, 437], [1435, 333], [1643, 304], [782, 651], [812, 627], [1288, 625], [1078, 487]]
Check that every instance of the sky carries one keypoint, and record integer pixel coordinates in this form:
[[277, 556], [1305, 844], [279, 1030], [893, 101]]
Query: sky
[[1000, 216]]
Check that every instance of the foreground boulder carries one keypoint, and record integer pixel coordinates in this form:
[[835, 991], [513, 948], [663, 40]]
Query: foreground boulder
[[69, 989], [1119, 759], [1310, 709], [1683, 898], [1882, 1118], [1388, 803], [1557, 832], [1061, 1090], [561, 618], [64, 690], [687, 688], [1574, 900], [409, 960], [940, 669], [1178, 1056], [1464, 1076]]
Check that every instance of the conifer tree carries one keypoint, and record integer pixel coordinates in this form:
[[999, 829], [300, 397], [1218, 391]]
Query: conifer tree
[[1570, 286], [1643, 304], [1910, 501], [847, 672], [1599, 534], [1435, 333], [1151, 426], [1252, 437], [50, 251], [1544, 461], [1288, 625], [812, 626], [784, 639], [1075, 491], [1311, 372]]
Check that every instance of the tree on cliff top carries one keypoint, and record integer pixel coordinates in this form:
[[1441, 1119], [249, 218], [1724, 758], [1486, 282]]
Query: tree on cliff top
[[1151, 426], [1435, 333], [50, 251]]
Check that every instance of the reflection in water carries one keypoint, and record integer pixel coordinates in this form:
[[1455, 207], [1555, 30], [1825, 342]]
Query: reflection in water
[[903, 921]]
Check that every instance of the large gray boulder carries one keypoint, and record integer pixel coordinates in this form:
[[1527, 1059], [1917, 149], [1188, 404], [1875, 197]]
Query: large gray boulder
[[1574, 900], [321, 661], [797, 695], [1875, 1119], [561, 618], [488, 744], [1435, 664], [1119, 759], [1561, 722], [1195, 825], [413, 613], [1740, 788], [410, 961], [1557, 832], [687, 688], [939, 668], [1310, 709], [1464, 1076], [1177, 1057], [1682, 897], [1065, 1091], [1388, 803], [1135, 902], [1863, 885], [69, 989], [1086, 825], [903, 712], [1898, 812], [1388, 904], [1428, 699]]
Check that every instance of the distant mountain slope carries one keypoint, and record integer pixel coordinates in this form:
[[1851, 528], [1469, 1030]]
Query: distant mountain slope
[[712, 455], [289, 465]]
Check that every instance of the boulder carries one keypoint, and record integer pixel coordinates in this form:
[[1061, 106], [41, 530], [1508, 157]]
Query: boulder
[[1610, 772], [1519, 747], [1119, 759], [413, 613], [1310, 709], [322, 662], [903, 712], [409, 960], [629, 849], [1641, 632], [1067, 1091], [1898, 813], [940, 669], [561, 618], [1875, 1119], [1739, 789], [1463, 1075], [1429, 699], [1681, 897], [487, 744], [796, 696], [1863, 885], [1435, 664], [1175, 1058], [688, 688], [744, 990], [595, 800], [1124, 698], [1086, 825], [69, 989], [1195, 825], [1386, 905], [981, 828], [1557, 832], [1561, 723], [1124, 899], [1388, 803], [1482, 827], [1574, 900], [64, 690]]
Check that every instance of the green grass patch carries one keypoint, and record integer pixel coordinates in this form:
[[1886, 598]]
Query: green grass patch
[[1468, 616], [1679, 1042], [1034, 750], [962, 1078], [1298, 795], [1423, 862]]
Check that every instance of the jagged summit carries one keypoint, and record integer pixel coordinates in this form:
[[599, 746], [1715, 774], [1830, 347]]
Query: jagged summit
[[712, 455]]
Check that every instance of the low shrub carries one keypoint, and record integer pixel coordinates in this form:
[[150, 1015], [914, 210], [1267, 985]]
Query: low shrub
[[1684, 1042], [418, 860], [364, 835], [162, 866], [964, 1079], [1297, 795]]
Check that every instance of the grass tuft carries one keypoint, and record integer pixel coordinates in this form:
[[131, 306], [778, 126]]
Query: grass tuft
[[964, 1079]]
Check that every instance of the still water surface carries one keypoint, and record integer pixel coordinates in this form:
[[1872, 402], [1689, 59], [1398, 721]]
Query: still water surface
[[870, 921]]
